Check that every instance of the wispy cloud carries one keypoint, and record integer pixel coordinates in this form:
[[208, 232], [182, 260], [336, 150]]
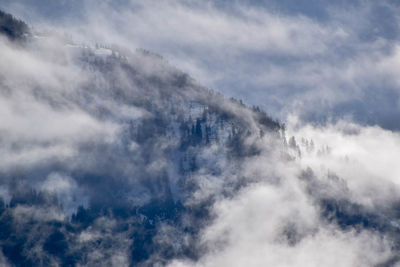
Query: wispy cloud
[[277, 219], [70, 127], [338, 62], [330, 58]]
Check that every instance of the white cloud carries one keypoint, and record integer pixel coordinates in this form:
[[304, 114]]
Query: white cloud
[[284, 62], [276, 219], [259, 227], [339, 61], [303, 64], [68, 192], [365, 157], [24, 213], [321, 57]]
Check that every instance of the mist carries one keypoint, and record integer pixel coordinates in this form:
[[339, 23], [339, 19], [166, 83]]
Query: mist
[[177, 133]]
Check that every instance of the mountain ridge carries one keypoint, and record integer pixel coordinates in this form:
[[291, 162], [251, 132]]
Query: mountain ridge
[[166, 129], [117, 158]]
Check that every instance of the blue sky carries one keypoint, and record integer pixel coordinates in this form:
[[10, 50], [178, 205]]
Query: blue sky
[[319, 60]]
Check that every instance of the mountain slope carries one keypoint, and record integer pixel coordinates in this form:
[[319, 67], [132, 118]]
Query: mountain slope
[[148, 137], [13, 28], [116, 158]]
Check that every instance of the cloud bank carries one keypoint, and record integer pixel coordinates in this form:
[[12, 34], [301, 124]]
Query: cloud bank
[[298, 212], [116, 158], [320, 60]]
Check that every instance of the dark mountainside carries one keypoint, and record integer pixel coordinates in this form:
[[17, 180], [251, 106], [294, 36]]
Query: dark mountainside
[[144, 192], [13, 28], [126, 187]]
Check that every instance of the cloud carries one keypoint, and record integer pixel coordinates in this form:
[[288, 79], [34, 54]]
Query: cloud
[[23, 214], [284, 62], [40, 117], [67, 191], [365, 157], [82, 129], [267, 225], [232, 49], [284, 212], [311, 59], [320, 60]]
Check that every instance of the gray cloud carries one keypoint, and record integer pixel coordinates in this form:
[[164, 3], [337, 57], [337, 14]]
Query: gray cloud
[[105, 129], [276, 219], [314, 58], [331, 59]]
